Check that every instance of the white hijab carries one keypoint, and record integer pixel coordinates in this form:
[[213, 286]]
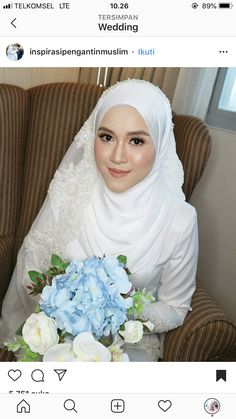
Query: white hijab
[[80, 209]]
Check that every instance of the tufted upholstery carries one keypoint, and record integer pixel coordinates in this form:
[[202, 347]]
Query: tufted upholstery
[[36, 128]]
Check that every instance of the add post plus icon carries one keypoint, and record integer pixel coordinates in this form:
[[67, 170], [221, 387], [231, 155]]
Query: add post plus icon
[[60, 373]]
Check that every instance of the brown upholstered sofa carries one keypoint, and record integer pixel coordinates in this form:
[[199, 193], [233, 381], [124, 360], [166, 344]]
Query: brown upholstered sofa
[[36, 128]]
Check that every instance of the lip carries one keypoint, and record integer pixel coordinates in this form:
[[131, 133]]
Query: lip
[[118, 173]]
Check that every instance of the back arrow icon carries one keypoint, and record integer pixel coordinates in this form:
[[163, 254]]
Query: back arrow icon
[[12, 22]]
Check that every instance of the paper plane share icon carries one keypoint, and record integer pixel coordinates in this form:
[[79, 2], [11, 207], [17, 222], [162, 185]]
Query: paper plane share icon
[[60, 373]]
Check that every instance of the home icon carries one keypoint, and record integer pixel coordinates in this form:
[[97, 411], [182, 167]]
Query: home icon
[[23, 407]]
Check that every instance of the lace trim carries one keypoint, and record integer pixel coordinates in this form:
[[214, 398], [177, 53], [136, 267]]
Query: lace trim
[[152, 313], [69, 195]]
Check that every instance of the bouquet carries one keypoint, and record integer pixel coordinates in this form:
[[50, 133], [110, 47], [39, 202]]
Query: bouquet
[[87, 311]]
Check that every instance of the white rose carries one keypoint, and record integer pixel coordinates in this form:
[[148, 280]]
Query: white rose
[[87, 349], [63, 352], [40, 332], [133, 332]]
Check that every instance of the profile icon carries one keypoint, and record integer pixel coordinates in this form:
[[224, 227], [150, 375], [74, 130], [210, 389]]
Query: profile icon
[[14, 52], [212, 406]]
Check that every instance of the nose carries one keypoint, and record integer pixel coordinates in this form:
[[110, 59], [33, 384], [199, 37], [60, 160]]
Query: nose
[[119, 154]]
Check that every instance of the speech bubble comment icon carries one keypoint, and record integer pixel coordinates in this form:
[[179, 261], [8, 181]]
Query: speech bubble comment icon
[[37, 376], [212, 406]]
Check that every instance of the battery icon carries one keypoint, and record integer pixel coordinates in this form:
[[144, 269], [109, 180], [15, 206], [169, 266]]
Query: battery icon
[[225, 5]]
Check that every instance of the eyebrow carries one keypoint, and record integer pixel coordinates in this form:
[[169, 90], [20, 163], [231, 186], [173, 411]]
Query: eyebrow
[[129, 133]]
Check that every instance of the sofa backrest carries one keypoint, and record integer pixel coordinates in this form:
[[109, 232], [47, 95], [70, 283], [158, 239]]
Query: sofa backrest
[[14, 106], [193, 146]]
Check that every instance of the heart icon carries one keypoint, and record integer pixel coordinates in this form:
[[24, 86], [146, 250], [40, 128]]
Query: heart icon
[[14, 374], [164, 405]]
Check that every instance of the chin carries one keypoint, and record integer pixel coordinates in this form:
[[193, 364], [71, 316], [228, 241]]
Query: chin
[[117, 188]]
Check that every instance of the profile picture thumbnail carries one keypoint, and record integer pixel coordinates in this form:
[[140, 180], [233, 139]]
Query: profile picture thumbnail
[[14, 52], [212, 406]]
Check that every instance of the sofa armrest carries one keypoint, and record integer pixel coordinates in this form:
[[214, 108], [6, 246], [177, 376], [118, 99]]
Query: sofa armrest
[[6, 356], [207, 332], [6, 252]]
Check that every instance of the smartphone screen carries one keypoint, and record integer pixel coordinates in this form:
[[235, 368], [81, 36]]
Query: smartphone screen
[[117, 209]]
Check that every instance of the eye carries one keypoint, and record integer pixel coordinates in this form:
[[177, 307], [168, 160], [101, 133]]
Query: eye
[[137, 141], [105, 137]]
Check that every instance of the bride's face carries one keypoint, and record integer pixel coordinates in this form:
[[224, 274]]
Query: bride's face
[[124, 150]]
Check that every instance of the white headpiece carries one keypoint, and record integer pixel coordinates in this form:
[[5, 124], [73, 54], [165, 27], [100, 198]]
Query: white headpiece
[[80, 207]]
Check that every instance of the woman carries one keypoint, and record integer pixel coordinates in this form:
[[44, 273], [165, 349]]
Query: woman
[[118, 191]]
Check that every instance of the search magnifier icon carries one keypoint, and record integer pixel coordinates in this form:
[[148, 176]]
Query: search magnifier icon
[[69, 405]]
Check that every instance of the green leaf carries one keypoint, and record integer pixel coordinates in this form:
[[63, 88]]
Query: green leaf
[[64, 265], [122, 259], [24, 345], [26, 354], [30, 355], [37, 309], [51, 272], [12, 346], [29, 358], [34, 276], [19, 330], [58, 265], [140, 299], [56, 261]]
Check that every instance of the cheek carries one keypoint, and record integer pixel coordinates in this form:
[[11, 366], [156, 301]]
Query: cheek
[[144, 160]]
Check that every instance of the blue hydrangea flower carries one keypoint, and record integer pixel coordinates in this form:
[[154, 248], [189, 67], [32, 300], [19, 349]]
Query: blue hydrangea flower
[[87, 297]]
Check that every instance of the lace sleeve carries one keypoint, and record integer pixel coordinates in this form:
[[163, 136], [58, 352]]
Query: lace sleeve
[[177, 284]]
